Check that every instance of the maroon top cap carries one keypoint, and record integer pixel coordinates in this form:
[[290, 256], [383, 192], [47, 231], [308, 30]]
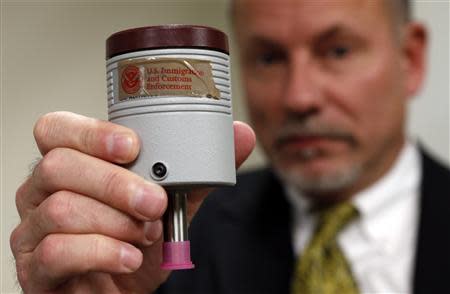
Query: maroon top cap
[[166, 36]]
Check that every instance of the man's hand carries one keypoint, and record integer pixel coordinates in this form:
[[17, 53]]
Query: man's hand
[[87, 224]]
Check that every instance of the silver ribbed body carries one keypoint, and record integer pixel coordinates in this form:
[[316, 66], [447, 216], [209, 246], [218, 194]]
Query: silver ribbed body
[[192, 137]]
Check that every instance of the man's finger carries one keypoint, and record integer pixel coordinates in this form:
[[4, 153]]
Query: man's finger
[[61, 256], [24, 202], [244, 142], [98, 138], [70, 213], [71, 170]]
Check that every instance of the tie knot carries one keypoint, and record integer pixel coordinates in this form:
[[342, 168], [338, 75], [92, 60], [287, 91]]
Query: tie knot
[[322, 267], [334, 218]]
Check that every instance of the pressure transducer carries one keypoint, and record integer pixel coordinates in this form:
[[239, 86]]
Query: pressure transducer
[[171, 84]]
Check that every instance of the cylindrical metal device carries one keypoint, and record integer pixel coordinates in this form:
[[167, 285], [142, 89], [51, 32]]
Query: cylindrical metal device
[[171, 84]]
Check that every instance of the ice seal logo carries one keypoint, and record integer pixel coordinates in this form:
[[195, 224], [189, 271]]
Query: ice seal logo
[[131, 79]]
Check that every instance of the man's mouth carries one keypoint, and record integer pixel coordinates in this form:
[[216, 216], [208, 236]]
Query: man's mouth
[[302, 142], [311, 146], [312, 139], [306, 142]]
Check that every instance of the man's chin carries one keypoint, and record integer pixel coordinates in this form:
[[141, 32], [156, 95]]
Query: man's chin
[[317, 181]]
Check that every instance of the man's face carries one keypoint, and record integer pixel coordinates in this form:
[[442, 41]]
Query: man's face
[[327, 85]]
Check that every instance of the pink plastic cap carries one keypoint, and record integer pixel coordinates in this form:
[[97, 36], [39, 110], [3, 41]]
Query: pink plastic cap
[[177, 256]]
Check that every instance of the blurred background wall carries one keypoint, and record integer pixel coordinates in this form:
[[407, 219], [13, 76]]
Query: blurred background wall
[[52, 58]]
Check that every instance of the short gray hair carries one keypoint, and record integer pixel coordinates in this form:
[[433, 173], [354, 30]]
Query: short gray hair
[[401, 9]]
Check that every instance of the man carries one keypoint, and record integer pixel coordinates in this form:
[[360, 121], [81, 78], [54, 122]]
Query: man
[[327, 85]]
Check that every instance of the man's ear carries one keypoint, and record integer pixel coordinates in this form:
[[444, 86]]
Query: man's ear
[[415, 43]]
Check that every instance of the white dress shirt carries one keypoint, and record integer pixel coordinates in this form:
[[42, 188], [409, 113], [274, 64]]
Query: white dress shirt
[[380, 245]]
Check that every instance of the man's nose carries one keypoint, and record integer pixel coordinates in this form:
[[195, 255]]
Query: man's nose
[[303, 92]]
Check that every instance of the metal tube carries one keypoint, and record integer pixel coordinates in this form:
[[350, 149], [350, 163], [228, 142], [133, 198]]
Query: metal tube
[[175, 220]]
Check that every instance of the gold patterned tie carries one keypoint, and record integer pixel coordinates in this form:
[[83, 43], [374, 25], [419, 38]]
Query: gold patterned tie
[[322, 268]]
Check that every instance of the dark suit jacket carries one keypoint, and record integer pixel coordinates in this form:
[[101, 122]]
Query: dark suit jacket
[[241, 238]]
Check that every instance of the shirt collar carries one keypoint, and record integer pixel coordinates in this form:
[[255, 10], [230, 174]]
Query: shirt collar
[[379, 204]]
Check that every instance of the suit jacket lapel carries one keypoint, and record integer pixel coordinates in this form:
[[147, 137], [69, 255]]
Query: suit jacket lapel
[[432, 264], [263, 258]]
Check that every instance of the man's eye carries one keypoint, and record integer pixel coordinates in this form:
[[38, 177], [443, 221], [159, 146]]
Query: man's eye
[[269, 58], [338, 52]]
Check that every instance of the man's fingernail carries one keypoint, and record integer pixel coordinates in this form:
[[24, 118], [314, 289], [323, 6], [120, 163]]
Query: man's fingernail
[[119, 145], [152, 231], [149, 201], [130, 257]]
